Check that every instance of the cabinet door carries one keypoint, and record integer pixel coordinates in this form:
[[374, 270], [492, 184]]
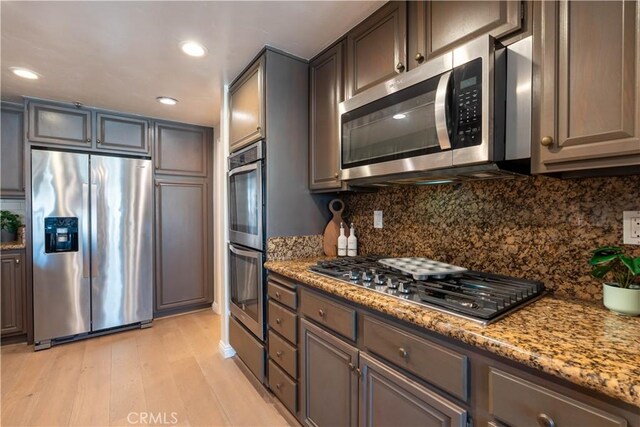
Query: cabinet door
[[452, 23], [589, 108], [182, 233], [12, 151], [388, 398], [13, 294], [54, 124], [329, 383], [181, 149], [327, 92], [122, 133], [246, 103], [377, 48]]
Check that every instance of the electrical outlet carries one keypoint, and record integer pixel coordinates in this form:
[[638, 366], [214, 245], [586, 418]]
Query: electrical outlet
[[631, 227], [377, 219]]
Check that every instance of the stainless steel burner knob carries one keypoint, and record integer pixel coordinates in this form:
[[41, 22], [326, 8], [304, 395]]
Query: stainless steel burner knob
[[392, 284], [404, 287], [378, 279], [354, 275], [367, 276]]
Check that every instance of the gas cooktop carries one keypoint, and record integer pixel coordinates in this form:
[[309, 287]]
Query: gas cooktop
[[477, 296]]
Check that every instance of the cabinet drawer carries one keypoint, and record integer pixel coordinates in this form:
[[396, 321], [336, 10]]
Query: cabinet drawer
[[282, 321], [284, 354], [333, 315], [248, 349], [283, 295], [436, 364], [518, 402], [283, 387]]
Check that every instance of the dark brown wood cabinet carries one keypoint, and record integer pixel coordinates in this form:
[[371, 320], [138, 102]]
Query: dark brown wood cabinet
[[183, 238], [247, 107], [377, 48], [181, 149], [326, 92], [449, 24], [59, 125], [12, 151], [586, 97], [122, 133], [14, 299], [328, 379], [389, 398]]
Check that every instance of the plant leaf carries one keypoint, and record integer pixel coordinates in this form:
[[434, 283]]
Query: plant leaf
[[607, 250], [603, 258], [600, 271], [632, 264]]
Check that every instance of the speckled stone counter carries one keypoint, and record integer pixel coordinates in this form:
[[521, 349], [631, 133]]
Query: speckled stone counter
[[17, 245], [575, 340]]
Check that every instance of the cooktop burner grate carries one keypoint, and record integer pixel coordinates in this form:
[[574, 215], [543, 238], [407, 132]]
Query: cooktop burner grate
[[478, 296]]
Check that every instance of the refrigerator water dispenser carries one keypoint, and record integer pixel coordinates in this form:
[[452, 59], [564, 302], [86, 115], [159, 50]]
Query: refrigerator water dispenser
[[60, 234]]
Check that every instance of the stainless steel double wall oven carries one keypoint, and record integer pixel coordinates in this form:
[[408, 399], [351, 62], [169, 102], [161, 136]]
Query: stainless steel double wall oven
[[246, 237]]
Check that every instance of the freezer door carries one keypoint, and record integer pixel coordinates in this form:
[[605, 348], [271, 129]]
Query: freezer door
[[122, 241], [61, 284]]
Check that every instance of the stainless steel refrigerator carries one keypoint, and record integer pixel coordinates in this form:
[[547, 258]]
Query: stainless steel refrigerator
[[92, 244]]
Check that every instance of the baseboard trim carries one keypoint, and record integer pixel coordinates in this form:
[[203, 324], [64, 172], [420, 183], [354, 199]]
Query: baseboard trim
[[215, 307], [226, 350]]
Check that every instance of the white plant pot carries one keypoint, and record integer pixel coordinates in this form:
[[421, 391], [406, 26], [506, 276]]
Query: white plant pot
[[622, 300]]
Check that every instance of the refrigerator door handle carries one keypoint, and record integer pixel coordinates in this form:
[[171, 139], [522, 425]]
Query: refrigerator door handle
[[85, 231], [94, 231]]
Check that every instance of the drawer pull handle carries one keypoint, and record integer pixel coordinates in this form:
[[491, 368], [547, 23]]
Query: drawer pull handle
[[545, 420], [278, 320], [321, 313], [403, 353], [279, 353], [278, 295]]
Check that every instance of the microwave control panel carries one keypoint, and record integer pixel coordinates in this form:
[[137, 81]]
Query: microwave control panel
[[467, 104]]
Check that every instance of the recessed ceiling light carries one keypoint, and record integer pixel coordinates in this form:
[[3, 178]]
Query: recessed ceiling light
[[166, 100], [399, 116], [24, 73], [193, 48]]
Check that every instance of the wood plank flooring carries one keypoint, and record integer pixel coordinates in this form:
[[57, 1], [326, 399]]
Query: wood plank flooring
[[171, 372]]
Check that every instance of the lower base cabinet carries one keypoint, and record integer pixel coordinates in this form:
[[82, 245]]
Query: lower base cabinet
[[388, 398], [13, 302]]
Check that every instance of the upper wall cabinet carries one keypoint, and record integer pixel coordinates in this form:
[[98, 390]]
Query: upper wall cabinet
[[54, 124], [12, 151], [452, 23], [326, 92], [122, 133], [377, 48], [181, 149], [247, 105], [588, 104]]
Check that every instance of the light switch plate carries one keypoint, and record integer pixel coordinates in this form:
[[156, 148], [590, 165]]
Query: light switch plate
[[631, 227], [377, 219]]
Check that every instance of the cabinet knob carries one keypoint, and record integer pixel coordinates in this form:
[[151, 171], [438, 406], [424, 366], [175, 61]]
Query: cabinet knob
[[336, 175], [403, 353], [279, 386], [88, 139], [17, 260], [278, 320], [352, 367], [279, 353], [321, 313], [278, 295], [547, 141], [545, 420], [98, 141], [400, 67], [259, 129], [419, 58]]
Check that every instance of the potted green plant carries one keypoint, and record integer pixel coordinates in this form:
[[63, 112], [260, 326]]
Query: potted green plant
[[622, 294], [9, 223]]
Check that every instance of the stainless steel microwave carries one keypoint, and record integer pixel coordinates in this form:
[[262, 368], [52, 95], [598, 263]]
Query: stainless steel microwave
[[447, 115]]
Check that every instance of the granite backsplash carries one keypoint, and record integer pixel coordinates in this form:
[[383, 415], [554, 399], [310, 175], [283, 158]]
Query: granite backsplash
[[294, 247], [538, 228]]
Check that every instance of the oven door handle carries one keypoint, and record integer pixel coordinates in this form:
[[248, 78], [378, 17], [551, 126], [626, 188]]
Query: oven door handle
[[250, 167], [249, 254], [441, 111]]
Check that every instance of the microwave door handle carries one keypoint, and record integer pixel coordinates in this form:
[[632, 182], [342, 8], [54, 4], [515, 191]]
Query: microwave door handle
[[441, 111]]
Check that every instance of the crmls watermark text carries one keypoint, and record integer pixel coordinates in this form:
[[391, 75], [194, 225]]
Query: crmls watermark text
[[154, 418]]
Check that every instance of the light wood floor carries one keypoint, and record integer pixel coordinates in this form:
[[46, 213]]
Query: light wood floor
[[170, 371]]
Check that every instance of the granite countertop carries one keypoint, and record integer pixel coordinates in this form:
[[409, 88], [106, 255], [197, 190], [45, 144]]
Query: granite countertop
[[16, 245], [578, 341]]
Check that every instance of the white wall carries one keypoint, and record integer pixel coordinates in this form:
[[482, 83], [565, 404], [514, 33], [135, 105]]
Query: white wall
[[221, 285]]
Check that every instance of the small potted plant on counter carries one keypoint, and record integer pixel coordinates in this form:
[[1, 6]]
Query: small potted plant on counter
[[621, 295], [10, 223]]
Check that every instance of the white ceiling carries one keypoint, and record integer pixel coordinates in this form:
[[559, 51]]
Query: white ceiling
[[122, 55]]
